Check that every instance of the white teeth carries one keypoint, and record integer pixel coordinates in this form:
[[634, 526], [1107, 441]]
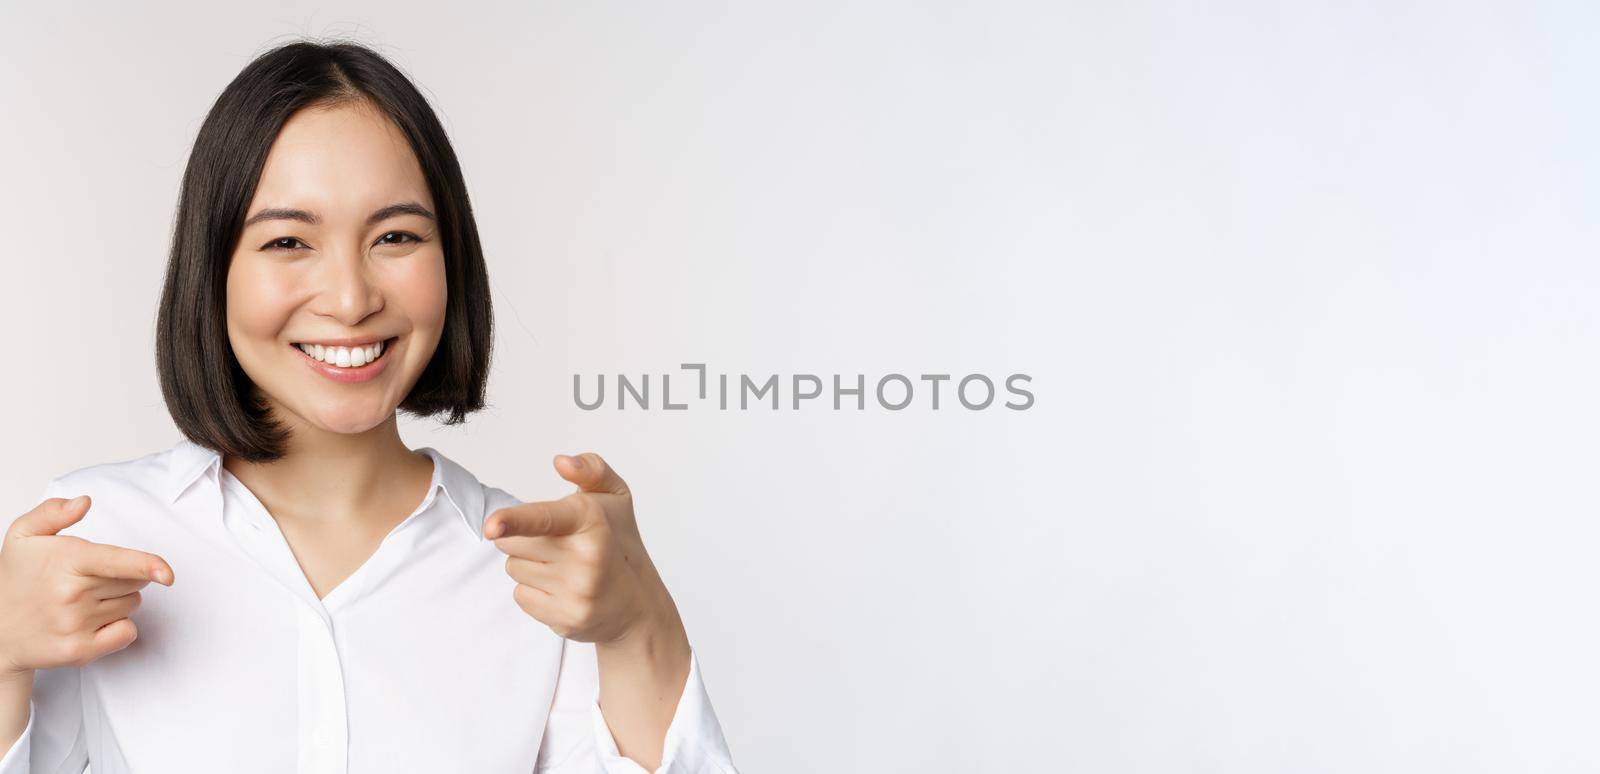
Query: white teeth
[[344, 357]]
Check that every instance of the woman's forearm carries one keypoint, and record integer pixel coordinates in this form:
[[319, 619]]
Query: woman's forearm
[[16, 689], [641, 681]]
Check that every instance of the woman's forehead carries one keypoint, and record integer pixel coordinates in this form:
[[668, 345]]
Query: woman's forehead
[[340, 161]]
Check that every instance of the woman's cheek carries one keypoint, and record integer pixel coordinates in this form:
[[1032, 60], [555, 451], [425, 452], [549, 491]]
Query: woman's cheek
[[420, 284], [262, 299], [256, 306]]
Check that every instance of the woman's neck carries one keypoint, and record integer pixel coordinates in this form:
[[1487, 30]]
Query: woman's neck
[[337, 476]]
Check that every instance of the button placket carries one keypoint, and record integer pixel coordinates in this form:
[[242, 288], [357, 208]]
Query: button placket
[[323, 731]]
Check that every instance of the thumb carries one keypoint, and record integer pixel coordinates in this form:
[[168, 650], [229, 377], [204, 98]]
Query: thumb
[[591, 473], [50, 517]]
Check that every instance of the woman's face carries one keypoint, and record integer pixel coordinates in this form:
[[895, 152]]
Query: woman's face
[[341, 255]]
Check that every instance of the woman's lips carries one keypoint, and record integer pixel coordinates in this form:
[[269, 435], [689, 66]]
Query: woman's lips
[[351, 374]]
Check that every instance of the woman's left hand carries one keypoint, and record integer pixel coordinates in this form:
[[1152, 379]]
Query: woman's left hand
[[579, 563]]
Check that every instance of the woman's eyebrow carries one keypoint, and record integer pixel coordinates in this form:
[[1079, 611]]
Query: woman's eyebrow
[[286, 213]]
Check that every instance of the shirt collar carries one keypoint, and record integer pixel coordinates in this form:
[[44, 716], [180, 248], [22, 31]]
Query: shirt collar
[[190, 461]]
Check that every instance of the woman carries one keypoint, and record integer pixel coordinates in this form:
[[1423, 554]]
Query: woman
[[331, 600]]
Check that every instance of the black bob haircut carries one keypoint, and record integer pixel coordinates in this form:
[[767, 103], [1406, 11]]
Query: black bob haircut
[[208, 394]]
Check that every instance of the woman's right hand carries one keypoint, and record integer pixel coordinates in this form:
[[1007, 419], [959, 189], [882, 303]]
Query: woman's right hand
[[65, 600]]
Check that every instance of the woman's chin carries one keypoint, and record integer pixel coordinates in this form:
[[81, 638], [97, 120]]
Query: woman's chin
[[352, 421]]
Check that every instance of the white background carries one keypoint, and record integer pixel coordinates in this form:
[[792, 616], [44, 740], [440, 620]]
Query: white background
[[1309, 298]]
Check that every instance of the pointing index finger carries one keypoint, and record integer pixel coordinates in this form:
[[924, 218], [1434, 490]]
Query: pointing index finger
[[534, 520], [97, 560]]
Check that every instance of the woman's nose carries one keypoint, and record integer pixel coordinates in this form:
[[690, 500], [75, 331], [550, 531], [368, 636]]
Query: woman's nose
[[348, 292]]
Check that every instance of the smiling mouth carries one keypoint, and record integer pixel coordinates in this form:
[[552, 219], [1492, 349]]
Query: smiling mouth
[[346, 356]]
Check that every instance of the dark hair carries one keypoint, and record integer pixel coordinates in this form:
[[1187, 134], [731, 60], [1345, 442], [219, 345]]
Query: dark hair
[[211, 399]]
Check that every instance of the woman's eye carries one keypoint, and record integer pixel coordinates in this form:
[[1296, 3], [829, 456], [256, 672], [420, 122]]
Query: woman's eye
[[405, 237], [282, 243]]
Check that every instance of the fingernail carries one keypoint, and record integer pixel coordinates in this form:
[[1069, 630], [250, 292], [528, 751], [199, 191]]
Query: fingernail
[[161, 576], [495, 529], [577, 462], [76, 501]]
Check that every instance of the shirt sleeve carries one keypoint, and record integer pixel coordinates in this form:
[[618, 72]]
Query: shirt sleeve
[[578, 741], [53, 740]]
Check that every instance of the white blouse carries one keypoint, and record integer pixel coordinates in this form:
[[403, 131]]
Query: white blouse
[[419, 661]]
